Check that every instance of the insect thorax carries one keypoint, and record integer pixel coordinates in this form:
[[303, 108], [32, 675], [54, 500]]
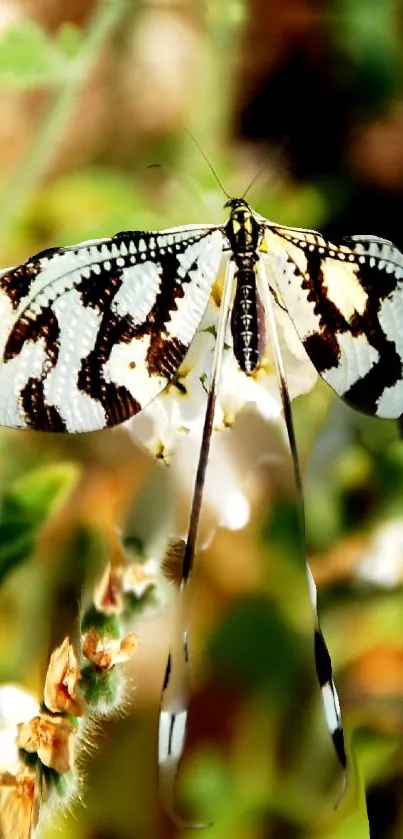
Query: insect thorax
[[244, 234]]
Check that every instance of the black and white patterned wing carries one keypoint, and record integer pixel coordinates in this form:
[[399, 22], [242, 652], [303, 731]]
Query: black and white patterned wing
[[346, 303], [90, 334]]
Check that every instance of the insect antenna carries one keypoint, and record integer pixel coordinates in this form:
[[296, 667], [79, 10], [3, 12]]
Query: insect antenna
[[175, 692], [206, 159], [323, 662], [270, 160]]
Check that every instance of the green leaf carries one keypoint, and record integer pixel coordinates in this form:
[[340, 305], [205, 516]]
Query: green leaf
[[369, 35], [70, 40], [26, 506], [16, 539], [254, 647], [28, 57], [39, 492]]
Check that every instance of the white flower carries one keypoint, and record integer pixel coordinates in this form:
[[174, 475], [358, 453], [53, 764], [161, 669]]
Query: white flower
[[238, 390], [16, 706], [236, 512], [171, 426], [180, 408], [184, 399], [224, 498], [382, 562], [137, 578], [153, 428]]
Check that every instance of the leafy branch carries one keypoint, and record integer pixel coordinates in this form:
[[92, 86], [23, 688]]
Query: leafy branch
[[21, 48]]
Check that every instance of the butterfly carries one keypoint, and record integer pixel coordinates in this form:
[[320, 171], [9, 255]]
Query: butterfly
[[91, 334]]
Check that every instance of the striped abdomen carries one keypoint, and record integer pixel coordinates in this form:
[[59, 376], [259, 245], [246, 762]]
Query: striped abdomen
[[246, 321]]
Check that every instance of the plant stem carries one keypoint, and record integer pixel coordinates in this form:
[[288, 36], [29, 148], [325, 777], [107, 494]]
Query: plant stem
[[32, 169]]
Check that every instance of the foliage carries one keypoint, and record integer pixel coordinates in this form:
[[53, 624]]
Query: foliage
[[259, 763]]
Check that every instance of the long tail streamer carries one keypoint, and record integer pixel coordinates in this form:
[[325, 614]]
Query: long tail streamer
[[322, 658], [175, 692]]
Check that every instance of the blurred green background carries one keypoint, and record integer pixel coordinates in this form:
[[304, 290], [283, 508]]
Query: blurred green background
[[95, 100]]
